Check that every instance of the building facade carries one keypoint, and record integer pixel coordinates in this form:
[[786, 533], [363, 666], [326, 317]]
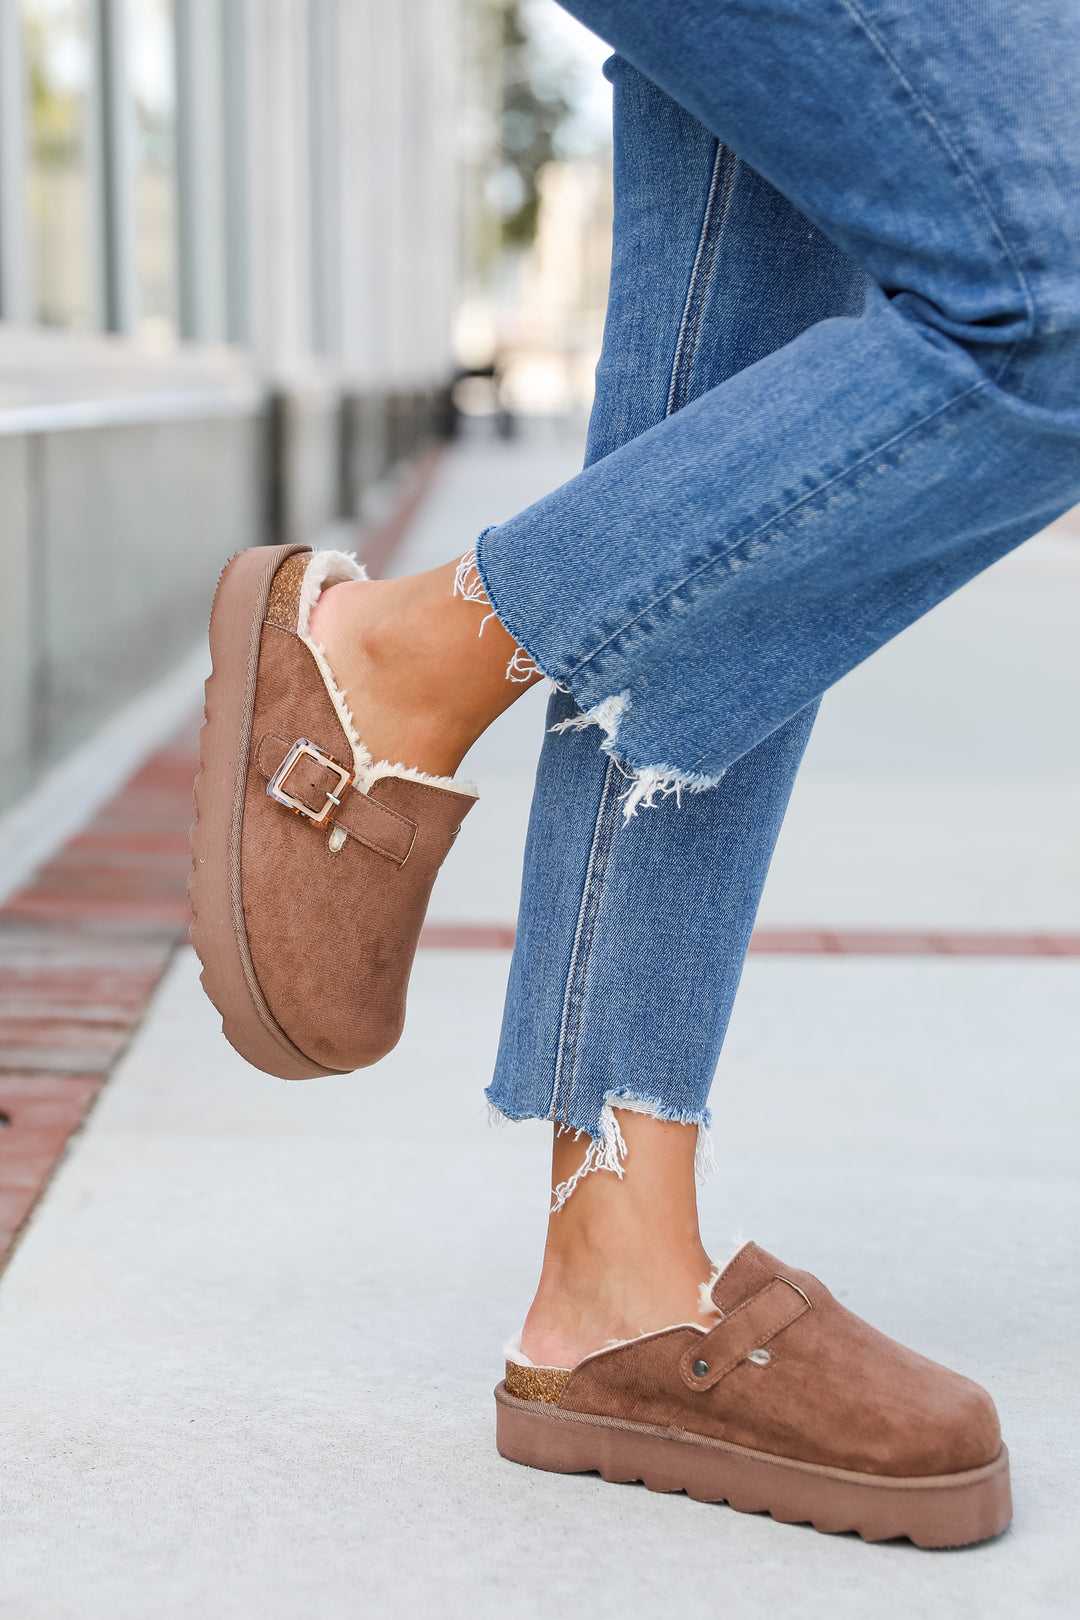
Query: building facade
[[229, 264]]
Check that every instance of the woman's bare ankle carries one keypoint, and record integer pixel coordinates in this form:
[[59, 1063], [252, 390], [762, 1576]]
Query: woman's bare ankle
[[623, 1255], [421, 681], [571, 1316]]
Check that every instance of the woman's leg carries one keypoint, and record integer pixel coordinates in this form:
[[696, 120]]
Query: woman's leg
[[624, 1255], [632, 935], [700, 585], [729, 561]]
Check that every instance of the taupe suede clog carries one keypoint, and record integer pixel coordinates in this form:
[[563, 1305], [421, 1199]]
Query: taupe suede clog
[[312, 863], [790, 1405]]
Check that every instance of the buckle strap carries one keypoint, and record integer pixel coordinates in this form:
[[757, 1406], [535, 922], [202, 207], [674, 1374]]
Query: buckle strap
[[376, 826], [304, 778], [749, 1326]]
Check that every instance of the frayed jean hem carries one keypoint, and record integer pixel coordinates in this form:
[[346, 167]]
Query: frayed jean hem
[[645, 784], [607, 1149]]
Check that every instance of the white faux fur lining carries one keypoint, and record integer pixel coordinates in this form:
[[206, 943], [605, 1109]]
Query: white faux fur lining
[[409, 773], [705, 1289], [617, 1344], [512, 1351], [328, 568]]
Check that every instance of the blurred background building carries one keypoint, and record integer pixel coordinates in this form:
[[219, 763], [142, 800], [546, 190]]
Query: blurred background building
[[255, 256], [536, 155]]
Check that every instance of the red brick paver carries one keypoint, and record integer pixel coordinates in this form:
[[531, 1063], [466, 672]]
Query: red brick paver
[[910, 942], [805, 941], [38, 1113], [82, 948]]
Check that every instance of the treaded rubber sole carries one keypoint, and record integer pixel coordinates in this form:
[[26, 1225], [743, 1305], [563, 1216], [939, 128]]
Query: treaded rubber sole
[[951, 1510], [218, 930]]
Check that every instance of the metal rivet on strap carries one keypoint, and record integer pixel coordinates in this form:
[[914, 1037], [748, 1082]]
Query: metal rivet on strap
[[760, 1358], [700, 1368]]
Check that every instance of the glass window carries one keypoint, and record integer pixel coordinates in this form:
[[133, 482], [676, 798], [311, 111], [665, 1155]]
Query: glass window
[[152, 69], [59, 52]]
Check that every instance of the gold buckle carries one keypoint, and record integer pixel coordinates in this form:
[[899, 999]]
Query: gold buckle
[[276, 787]]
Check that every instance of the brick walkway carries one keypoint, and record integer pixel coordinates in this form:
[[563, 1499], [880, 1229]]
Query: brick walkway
[[81, 949]]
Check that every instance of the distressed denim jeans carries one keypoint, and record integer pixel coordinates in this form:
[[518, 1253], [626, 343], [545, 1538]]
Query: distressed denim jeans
[[840, 376]]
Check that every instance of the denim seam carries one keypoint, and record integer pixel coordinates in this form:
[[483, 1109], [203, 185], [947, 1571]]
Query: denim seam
[[574, 996], [712, 229], [780, 517], [712, 225], [951, 152]]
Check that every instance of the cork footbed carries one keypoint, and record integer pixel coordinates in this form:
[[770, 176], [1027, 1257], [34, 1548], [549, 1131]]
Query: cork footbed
[[283, 607], [536, 1383]]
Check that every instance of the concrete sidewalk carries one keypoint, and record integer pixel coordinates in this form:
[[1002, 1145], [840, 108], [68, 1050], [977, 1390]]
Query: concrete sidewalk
[[248, 1342]]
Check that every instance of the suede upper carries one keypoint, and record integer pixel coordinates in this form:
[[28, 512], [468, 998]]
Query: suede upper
[[830, 1391], [332, 931]]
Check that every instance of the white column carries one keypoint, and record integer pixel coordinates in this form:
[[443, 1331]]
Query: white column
[[236, 136], [365, 108], [399, 97], [279, 287], [353, 186], [429, 109], [324, 161], [119, 285], [445, 199], [14, 255], [386, 226], [415, 269], [202, 167]]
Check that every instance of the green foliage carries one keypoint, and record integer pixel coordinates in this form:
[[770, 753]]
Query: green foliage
[[56, 115], [531, 118]]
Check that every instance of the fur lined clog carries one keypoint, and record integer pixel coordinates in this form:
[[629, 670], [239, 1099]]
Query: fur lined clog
[[312, 863], [791, 1405]]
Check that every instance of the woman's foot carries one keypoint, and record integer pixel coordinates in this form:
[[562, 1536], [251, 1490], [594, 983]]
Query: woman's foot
[[312, 861], [761, 1391], [623, 1255], [787, 1403], [420, 678]]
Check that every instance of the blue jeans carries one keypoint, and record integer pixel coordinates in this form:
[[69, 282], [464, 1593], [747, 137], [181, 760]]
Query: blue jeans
[[841, 375]]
